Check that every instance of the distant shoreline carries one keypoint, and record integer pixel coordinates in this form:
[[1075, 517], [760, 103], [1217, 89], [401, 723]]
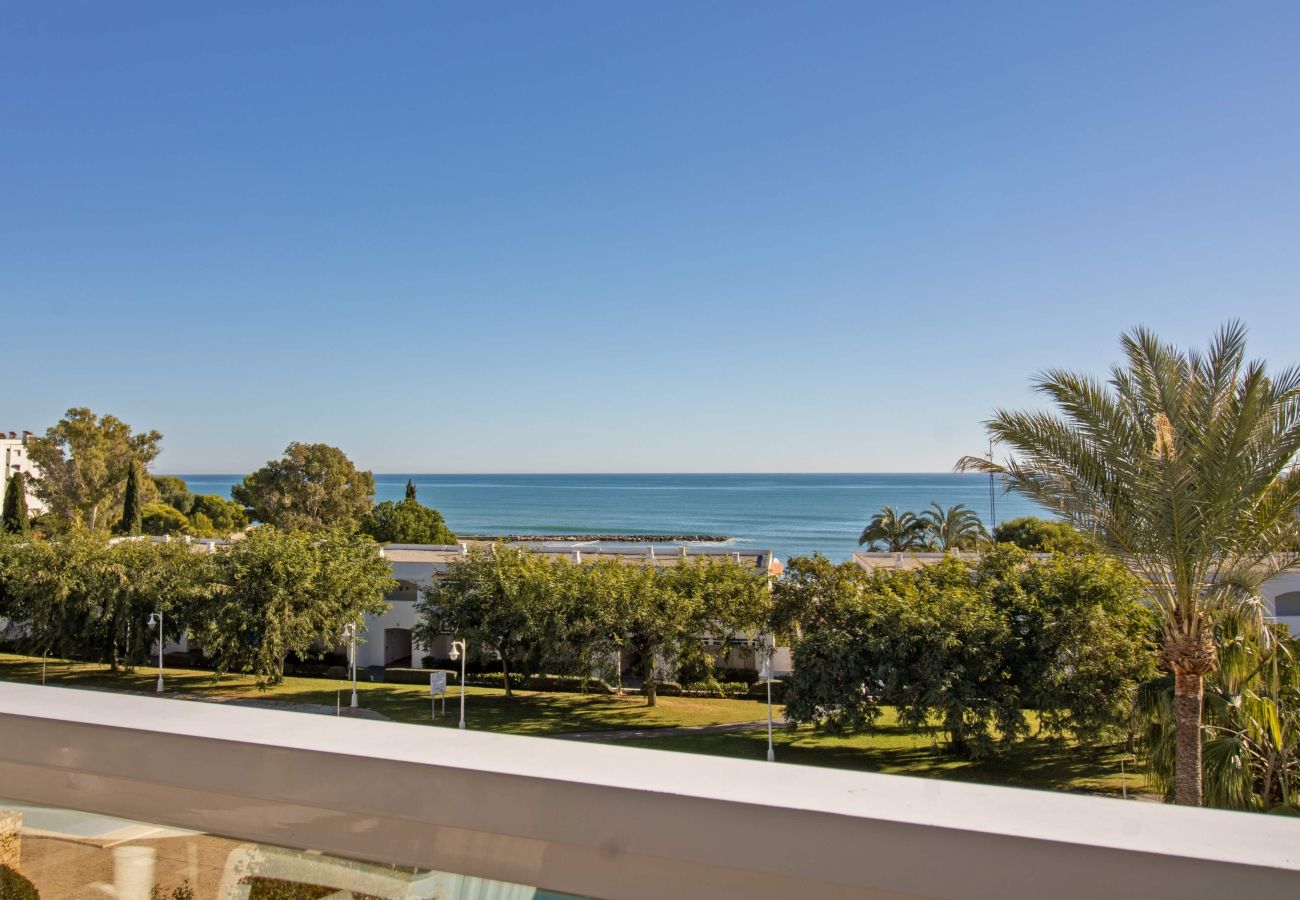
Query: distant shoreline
[[608, 538]]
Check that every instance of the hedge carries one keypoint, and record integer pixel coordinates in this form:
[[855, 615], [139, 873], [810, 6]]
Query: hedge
[[758, 690], [417, 676], [716, 688], [566, 683]]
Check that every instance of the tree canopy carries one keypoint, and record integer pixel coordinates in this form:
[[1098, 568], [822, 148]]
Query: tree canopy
[[1182, 463], [1042, 535], [533, 611], [969, 647], [314, 487], [131, 522], [15, 518], [407, 522], [956, 527], [284, 592], [83, 460]]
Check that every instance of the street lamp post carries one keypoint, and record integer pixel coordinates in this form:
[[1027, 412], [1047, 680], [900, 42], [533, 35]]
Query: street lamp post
[[156, 621], [458, 652], [350, 634], [766, 674]]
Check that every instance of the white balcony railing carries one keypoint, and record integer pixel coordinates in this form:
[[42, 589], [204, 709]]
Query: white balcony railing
[[606, 821]]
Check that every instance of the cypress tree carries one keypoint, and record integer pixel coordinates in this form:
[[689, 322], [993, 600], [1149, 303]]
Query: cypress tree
[[14, 519], [131, 519], [410, 489]]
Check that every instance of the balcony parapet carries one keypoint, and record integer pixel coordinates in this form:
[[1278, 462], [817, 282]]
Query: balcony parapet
[[606, 821]]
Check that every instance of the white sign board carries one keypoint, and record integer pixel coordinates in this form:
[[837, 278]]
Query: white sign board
[[437, 683]]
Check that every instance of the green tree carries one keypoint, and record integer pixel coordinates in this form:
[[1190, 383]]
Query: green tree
[[214, 516], [1183, 465], [81, 595], [954, 528], [314, 487], [894, 531], [83, 461], [283, 592], [174, 492], [968, 647], [1081, 639], [1251, 734], [130, 523], [494, 598], [15, 518], [672, 610], [161, 519], [1042, 535], [410, 489], [584, 630], [408, 522]]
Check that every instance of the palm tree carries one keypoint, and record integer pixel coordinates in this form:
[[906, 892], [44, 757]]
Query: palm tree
[[893, 531], [954, 528], [1251, 734], [1182, 464]]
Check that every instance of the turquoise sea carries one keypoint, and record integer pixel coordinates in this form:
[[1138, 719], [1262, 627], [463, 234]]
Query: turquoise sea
[[789, 514]]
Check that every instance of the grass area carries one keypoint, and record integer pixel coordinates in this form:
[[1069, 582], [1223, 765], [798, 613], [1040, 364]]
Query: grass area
[[891, 749], [529, 712]]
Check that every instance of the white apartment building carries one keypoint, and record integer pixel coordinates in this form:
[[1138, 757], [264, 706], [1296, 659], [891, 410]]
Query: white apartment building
[[13, 452]]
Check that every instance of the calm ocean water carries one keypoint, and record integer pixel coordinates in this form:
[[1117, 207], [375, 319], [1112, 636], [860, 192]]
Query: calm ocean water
[[790, 514]]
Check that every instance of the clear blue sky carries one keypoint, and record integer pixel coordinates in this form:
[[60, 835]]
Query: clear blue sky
[[626, 237]]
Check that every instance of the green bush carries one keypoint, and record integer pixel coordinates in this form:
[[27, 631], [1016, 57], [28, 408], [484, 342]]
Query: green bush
[[668, 689], [758, 690], [15, 887], [716, 688], [306, 669], [417, 676], [569, 684], [494, 679], [336, 672]]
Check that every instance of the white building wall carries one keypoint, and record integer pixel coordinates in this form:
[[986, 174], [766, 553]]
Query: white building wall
[[13, 456], [1287, 587]]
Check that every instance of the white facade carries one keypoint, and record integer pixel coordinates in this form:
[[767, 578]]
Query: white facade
[[1282, 599], [13, 454]]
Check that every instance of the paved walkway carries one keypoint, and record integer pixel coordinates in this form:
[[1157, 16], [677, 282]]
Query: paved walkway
[[679, 731]]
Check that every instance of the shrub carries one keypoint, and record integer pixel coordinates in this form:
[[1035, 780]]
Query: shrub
[[569, 684], [758, 690], [159, 518], [336, 672], [306, 669], [473, 666], [716, 688], [417, 676], [668, 689], [494, 679], [15, 887]]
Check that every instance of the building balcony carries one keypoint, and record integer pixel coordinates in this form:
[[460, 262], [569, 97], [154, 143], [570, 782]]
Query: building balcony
[[111, 795]]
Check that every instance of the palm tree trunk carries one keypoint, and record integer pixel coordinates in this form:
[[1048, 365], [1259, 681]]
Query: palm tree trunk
[[1189, 690]]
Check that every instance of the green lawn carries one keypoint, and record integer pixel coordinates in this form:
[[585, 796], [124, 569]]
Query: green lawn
[[528, 712], [890, 749]]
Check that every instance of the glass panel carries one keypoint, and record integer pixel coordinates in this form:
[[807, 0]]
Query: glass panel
[[61, 854]]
